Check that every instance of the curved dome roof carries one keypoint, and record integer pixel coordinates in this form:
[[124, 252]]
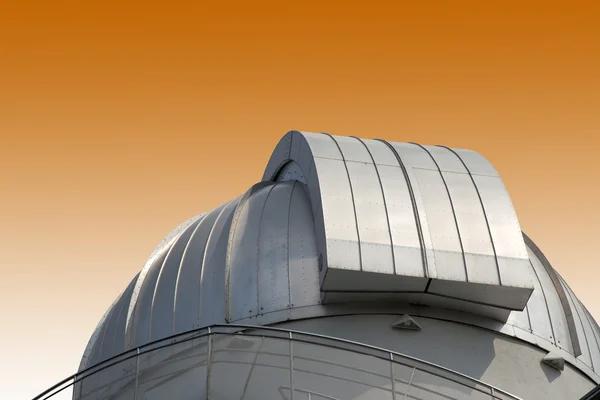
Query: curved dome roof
[[339, 223]]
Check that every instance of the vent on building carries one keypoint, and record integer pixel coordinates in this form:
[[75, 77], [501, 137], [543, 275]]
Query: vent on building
[[406, 322]]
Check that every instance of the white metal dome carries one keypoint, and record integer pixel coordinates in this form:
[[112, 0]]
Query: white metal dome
[[346, 226]]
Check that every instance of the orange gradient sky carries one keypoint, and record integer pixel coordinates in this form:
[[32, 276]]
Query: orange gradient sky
[[119, 121]]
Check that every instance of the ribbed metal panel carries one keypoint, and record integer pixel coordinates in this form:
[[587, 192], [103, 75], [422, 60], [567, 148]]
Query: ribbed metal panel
[[165, 242], [92, 346], [464, 221], [164, 290], [369, 206], [478, 249], [140, 322], [242, 266], [273, 274], [212, 296], [187, 286], [117, 336]]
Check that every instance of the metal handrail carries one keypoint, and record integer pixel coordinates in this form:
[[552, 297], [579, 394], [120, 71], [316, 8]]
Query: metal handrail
[[593, 394], [215, 329]]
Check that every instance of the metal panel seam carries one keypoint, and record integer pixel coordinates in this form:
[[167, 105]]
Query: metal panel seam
[[528, 318], [158, 280], [204, 256], [232, 229], [414, 206], [289, 155], [462, 250], [554, 338], [101, 343], [560, 291], [179, 268], [595, 324], [162, 245], [592, 327], [93, 339], [587, 342], [110, 336], [114, 334], [131, 288], [487, 222], [260, 224], [352, 197], [387, 216], [290, 305]]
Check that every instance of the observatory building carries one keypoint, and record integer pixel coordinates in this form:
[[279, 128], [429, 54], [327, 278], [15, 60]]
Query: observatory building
[[354, 269]]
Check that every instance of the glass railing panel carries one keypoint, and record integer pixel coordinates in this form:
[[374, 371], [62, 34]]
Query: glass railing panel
[[330, 373], [86, 388], [425, 386], [271, 371], [249, 368], [403, 375], [175, 372], [113, 382], [231, 356], [454, 379]]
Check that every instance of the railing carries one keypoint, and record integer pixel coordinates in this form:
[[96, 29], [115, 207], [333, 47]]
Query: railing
[[268, 363]]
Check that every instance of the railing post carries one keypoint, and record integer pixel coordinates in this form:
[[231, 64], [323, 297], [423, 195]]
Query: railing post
[[392, 376], [208, 362], [137, 372], [75, 387], [292, 367]]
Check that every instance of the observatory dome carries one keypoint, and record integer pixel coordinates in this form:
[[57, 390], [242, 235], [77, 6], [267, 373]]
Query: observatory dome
[[344, 237]]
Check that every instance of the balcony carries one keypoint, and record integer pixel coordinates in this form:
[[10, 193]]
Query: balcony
[[252, 362]]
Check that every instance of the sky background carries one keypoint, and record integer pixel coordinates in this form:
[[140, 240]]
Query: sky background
[[120, 121]]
